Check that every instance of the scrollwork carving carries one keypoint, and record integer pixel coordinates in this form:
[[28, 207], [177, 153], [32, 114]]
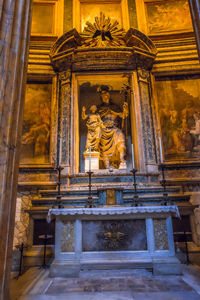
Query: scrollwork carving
[[143, 75], [65, 77]]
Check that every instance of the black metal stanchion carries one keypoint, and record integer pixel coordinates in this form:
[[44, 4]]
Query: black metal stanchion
[[164, 184], [45, 237], [90, 200], [186, 247], [135, 196], [58, 201], [21, 249]]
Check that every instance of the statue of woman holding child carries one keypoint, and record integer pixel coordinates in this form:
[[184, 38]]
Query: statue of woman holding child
[[104, 134]]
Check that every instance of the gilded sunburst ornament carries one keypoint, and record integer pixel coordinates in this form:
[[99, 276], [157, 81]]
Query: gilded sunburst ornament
[[103, 33]]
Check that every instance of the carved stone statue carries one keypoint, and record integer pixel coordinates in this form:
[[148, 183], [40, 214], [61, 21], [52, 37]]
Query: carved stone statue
[[104, 133], [94, 124]]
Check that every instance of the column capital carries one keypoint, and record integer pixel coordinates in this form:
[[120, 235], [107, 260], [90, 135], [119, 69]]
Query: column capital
[[65, 76]]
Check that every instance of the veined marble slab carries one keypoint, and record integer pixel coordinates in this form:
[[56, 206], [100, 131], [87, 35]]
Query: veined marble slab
[[121, 210]]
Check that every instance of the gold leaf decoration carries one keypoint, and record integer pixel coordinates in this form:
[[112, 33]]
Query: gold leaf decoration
[[103, 33]]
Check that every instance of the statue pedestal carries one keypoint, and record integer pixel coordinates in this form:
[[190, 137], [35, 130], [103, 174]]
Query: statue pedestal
[[94, 160], [123, 166]]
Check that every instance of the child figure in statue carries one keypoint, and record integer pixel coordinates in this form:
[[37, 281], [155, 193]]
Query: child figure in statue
[[195, 133], [94, 125]]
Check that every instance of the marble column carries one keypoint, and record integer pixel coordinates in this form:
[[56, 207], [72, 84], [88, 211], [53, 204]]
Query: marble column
[[195, 13], [14, 39], [143, 78], [65, 97]]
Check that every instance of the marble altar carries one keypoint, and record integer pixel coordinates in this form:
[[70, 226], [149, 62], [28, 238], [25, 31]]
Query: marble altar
[[114, 238]]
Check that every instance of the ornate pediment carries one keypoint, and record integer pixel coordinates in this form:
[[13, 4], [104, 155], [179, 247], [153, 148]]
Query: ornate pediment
[[103, 46]]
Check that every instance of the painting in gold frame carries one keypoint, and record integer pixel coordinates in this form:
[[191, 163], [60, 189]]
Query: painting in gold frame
[[179, 114], [168, 16], [36, 124]]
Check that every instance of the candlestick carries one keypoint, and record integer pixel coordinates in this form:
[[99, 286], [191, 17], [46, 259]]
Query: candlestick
[[60, 151], [89, 158], [133, 160], [161, 152]]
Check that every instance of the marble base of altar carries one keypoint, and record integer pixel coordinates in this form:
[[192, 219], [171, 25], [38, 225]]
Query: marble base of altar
[[94, 160], [114, 238]]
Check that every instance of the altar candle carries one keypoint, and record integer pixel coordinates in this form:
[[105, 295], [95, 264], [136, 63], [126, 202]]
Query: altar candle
[[161, 152], [60, 151], [133, 160], [89, 158]]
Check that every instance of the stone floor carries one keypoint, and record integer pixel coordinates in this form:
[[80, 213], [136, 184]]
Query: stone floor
[[108, 285]]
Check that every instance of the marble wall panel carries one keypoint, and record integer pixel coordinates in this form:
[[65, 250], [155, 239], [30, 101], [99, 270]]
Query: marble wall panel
[[67, 237], [22, 220], [43, 18], [89, 11], [160, 234], [115, 235], [68, 15]]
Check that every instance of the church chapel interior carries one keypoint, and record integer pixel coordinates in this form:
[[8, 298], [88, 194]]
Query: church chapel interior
[[100, 136]]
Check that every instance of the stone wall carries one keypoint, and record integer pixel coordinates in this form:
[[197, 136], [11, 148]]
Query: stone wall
[[22, 220]]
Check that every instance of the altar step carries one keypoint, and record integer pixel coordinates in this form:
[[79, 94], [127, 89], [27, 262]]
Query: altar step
[[68, 201], [84, 190], [74, 197], [104, 178], [124, 264], [156, 199], [169, 265]]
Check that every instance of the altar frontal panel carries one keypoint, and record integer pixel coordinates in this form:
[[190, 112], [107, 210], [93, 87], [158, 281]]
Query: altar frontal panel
[[115, 235]]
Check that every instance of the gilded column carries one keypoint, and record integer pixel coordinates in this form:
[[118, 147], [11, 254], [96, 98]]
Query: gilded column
[[195, 12], [65, 100], [14, 39], [147, 120]]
